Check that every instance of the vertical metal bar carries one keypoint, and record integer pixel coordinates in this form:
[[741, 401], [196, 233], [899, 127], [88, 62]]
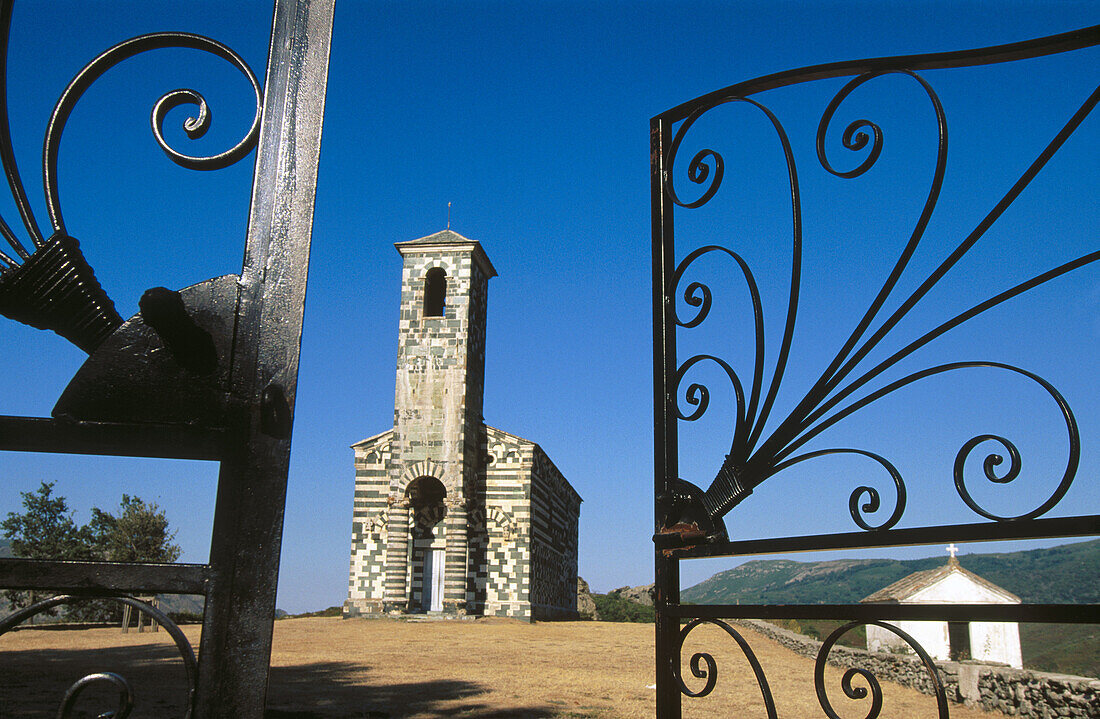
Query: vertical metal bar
[[666, 569], [248, 522], [667, 651]]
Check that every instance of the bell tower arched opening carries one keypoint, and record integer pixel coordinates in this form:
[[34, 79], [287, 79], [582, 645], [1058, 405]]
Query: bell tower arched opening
[[435, 292]]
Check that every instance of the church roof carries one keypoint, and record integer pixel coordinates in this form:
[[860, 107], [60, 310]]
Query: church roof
[[373, 439], [493, 433], [438, 238], [510, 435], [448, 239], [906, 588]]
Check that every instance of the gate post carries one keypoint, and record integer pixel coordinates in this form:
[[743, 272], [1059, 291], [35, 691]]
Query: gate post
[[667, 578], [248, 522], [666, 568]]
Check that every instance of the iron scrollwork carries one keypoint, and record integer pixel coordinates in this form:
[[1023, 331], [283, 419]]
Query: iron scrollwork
[[208, 372], [710, 673], [858, 693], [48, 283], [690, 517], [125, 691], [752, 457]]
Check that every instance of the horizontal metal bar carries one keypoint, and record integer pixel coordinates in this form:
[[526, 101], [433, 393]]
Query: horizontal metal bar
[[1064, 42], [103, 576], [41, 434], [1082, 526], [1044, 613]]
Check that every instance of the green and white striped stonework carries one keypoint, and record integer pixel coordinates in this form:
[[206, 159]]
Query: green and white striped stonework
[[506, 524]]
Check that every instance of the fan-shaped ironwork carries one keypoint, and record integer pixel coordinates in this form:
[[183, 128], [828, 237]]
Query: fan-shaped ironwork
[[208, 372], [688, 174], [47, 282]]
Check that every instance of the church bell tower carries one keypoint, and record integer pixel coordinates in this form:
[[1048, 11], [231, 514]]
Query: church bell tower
[[441, 357], [437, 423], [452, 516]]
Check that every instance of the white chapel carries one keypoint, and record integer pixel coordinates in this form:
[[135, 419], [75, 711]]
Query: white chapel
[[997, 642]]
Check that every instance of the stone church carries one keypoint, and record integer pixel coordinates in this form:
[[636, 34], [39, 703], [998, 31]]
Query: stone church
[[451, 515]]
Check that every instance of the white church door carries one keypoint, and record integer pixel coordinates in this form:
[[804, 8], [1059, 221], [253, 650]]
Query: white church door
[[433, 580]]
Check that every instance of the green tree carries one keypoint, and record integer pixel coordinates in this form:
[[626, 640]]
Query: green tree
[[138, 533], [44, 530]]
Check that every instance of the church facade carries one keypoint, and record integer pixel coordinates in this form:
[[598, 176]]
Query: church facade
[[450, 515], [997, 642]]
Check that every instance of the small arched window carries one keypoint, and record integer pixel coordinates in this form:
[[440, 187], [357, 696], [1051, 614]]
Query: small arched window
[[435, 292]]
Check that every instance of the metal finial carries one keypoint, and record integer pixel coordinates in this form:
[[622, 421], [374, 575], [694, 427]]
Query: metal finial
[[448, 215]]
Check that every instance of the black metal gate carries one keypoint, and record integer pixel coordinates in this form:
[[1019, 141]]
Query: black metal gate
[[207, 373], [689, 516]]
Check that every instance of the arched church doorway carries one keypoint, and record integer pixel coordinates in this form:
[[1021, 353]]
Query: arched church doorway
[[428, 545]]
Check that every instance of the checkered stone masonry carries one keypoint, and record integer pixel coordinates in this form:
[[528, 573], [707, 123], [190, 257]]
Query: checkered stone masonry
[[508, 522], [370, 519], [555, 511]]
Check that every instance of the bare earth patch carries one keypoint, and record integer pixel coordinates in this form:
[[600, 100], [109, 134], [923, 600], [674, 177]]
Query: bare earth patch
[[333, 668]]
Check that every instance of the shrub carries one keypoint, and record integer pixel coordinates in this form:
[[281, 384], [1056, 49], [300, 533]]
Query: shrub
[[614, 608]]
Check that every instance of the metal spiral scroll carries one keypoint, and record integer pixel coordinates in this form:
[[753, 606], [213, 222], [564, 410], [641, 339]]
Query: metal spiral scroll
[[46, 282], [873, 500], [755, 458], [710, 674], [126, 693], [195, 127], [856, 692], [750, 424]]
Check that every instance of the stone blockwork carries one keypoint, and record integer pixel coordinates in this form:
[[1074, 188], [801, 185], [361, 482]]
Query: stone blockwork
[[450, 514], [1016, 692], [555, 511], [369, 529], [524, 542]]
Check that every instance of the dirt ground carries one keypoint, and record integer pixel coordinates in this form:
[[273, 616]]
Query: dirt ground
[[333, 668]]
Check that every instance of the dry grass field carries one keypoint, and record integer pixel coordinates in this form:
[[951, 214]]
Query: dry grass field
[[332, 668]]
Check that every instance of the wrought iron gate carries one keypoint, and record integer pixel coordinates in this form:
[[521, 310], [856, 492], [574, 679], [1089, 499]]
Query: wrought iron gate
[[205, 373], [689, 516]]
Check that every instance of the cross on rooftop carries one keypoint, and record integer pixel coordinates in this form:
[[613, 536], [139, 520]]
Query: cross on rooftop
[[952, 550]]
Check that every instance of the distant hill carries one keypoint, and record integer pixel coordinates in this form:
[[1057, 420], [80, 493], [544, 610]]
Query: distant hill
[[5, 548], [1067, 574], [1063, 648]]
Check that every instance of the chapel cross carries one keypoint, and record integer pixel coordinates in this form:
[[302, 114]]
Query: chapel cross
[[952, 550]]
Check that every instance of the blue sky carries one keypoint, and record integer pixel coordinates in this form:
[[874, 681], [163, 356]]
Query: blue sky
[[533, 120]]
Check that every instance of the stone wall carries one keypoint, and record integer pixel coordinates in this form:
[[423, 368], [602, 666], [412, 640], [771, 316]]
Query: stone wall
[[517, 532], [1015, 692], [555, 511], [501, 558], [370, 519]]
